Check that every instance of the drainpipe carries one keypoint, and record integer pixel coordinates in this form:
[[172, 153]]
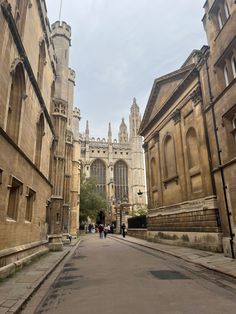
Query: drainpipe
[[220, 161]]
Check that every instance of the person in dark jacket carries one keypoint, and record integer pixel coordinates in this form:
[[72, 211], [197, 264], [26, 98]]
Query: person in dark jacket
[[101, 231], [123, 228]]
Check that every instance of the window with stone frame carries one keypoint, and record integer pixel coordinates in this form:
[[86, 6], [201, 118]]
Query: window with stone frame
[[219, 14], [39, 140], [233, 64], [98, 171], [41, 63], [121, 181], [226, 75], [20, 15], [15, 190], [17, 94], [229, 124], [30, 199]]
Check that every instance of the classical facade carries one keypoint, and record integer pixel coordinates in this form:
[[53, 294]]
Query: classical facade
[[189, 133], [36, 122], [118, 166]]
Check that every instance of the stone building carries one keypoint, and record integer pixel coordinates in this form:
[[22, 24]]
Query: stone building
[[31, 107], [219, 81], [189, 133], [118, 166]]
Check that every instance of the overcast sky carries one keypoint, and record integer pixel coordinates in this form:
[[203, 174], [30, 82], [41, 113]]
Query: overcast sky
[[120, 46]]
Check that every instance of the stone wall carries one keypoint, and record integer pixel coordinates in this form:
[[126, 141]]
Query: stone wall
[[138, 233]]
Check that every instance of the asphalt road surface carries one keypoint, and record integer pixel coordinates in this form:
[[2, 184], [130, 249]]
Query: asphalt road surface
[[109, 276]]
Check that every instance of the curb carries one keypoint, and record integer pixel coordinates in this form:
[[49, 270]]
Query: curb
[[19, 305], [212, 268]]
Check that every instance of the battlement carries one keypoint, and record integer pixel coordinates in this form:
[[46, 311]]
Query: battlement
[[61, 29], [72, 75], [76, 112]]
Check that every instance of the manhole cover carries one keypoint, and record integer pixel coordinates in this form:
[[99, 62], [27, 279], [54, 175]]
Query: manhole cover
[[168, 275]]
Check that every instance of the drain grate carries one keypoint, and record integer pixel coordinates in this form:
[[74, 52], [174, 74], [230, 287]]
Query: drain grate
[[70, 269], [168, 275]]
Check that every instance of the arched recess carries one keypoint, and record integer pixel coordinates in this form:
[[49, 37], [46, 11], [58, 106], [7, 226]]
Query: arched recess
[[121, 181], [98, 171], [153, 173], [17, 94], [192, 148], [39, 140], [169, 157], [20, 15], [41, 63]]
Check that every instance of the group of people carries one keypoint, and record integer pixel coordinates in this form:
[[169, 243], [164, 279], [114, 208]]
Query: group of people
[[104, 230]]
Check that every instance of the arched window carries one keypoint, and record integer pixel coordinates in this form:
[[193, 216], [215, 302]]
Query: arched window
[[121, 181], [20, 15], [98, 171], [192, 148], [170, 160], [39, 140], [41, 63], [220, 19], [15, 103], [233, 63], [226, 8], [153, 173], [226, 75], [52, 97]]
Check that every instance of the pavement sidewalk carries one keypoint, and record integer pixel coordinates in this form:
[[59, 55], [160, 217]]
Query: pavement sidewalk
[[213, 261], [17, 289]]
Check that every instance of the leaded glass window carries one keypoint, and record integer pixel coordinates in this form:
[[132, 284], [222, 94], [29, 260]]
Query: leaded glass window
[[98, 171], [121, 181]]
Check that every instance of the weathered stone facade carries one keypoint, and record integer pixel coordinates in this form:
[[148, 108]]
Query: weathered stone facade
[[219, 77], [117, 166], [29, 93], [189, 130]]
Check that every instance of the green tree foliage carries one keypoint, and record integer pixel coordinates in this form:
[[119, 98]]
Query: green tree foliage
[[91, 202]]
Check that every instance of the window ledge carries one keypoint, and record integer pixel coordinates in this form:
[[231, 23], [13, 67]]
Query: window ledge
[[171, 179], [10, 220]]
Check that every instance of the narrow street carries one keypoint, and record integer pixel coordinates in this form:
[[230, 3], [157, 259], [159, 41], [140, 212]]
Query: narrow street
[[110, 276]]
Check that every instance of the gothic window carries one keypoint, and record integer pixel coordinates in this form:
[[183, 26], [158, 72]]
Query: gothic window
[[39, 140], [52, 97], [121, 181], [13, 201], [98, 171], [30, 198], [233, 63], [153, 173], [220, 19], [170, 159], [192, 149], [41, 63], [20, 15], [226, 75], [15, 103], [226, 8]]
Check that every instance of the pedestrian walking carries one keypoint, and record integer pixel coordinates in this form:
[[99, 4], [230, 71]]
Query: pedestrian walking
[[105, 231], [123, 228], [101, 231]]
